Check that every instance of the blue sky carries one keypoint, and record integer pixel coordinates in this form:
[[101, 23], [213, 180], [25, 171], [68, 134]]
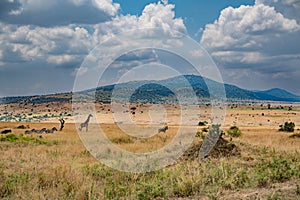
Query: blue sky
[[43, 44]]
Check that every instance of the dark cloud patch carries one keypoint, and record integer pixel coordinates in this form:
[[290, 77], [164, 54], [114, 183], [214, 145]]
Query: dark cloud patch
[[154, 60], [38, 78], [70, 65], [59, 13], [137, 55]]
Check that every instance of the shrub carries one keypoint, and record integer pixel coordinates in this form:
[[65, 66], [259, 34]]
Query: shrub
[[22, 127], [234, 131], [287, 127], [202, 123], [122, 140], [200, 135], [204, 129]]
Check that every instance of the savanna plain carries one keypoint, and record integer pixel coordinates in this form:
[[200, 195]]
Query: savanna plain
[[260, 163]]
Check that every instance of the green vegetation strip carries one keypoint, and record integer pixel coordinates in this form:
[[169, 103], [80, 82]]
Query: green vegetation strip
[[12, 138]]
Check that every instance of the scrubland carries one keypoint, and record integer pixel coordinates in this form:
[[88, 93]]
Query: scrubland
[[58, 166]]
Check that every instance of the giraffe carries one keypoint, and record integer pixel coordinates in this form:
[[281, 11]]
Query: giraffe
[[86, 123]]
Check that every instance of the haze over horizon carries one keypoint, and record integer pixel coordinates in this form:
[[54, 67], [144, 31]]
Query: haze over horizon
[[254, 43]]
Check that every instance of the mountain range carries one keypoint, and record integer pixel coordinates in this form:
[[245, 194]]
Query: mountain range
[[163, 91]]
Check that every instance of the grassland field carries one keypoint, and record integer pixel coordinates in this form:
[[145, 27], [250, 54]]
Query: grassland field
[[58, 166]]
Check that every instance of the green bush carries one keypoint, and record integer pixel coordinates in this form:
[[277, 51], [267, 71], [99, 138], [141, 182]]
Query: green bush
[[204, 129], [22, 127], [200, 135], [234, 131], [277, 170], [287, 127], [204, 123]]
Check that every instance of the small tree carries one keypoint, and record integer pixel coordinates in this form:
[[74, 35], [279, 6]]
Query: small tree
[[234, 131], [287, 127], [62, 124]]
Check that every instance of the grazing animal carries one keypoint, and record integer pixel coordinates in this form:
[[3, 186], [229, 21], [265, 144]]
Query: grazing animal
[[34, 131], [86, 123], [28, 132], [6, 131], [51, 130], [164, 129], [41, 131]]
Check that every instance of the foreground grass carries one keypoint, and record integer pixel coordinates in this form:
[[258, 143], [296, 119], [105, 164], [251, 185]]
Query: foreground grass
[[210, 178], [57, 166], [67, 171]]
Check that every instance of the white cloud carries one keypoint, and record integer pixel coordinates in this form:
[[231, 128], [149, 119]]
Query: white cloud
[[61, 59], [260, 39], [40, 42], [246, 27], [289, 8], [67, 44], [154, 15], [251, 34], [36, 36], [107, 5]]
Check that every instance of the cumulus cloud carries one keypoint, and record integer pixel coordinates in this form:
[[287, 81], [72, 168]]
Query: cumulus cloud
[[246, 27], [27, 43], [289, 8], [263, 38], [45, 36], [155, 15], [67, 45], [57, 12]]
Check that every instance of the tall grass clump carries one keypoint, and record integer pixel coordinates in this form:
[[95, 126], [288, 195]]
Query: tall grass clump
[[25, 140], [287, 127], [234, 131]]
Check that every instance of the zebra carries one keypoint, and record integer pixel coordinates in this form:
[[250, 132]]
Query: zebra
[[164, 129], [34, 130], [51, 130], [41, 131], [86, 123], [28, 132]]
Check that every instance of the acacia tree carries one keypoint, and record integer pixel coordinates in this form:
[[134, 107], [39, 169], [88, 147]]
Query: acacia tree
[[62, 124]]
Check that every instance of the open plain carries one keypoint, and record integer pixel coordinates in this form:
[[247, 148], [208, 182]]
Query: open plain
[[58, 166]]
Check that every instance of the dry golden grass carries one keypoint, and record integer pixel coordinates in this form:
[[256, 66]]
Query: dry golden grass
[[61, 168], [270, 137]]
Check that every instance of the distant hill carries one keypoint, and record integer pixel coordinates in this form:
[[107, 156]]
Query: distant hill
[[162, 91], [277, 94]]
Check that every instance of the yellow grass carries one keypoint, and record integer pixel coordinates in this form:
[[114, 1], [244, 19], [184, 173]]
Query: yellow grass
[[64, 169]]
